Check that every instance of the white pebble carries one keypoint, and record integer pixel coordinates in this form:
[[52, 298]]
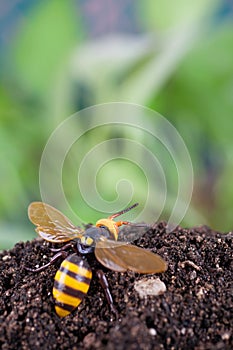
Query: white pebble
[[152, 286], [6, 257], [152, 331]]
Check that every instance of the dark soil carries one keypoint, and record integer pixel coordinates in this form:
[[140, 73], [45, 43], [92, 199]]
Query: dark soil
[[194, 313]]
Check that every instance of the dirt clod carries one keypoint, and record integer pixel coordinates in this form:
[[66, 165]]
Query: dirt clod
[[195, 312]]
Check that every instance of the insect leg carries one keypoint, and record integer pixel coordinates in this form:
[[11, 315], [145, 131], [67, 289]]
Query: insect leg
[[64, 247], [60, 254], [104, 284]]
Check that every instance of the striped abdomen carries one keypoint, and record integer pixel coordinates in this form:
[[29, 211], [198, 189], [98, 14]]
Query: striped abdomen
[[71, 284]]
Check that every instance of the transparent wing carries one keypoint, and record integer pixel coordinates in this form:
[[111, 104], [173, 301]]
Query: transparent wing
[[130, 233], [51, 224], [121, 257]]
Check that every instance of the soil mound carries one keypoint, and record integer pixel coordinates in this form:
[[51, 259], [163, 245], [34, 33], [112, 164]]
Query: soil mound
[[195, 312]]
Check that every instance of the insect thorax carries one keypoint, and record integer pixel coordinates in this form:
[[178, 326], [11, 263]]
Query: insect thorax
[[93, 234]]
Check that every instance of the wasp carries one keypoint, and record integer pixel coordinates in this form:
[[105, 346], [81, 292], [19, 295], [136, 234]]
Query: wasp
[[72, 280]]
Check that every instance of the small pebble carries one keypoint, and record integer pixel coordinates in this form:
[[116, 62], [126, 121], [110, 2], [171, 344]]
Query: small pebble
[[152, 331], [6, 257], [152, 286]]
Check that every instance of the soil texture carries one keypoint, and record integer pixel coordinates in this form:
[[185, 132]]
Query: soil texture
[[195, 311]]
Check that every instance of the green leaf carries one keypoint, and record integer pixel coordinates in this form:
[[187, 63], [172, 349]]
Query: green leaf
[[166, 14], [43, 44]]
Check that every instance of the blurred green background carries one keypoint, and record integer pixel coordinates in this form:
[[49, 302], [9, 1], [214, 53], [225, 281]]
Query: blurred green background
[[58, 57]]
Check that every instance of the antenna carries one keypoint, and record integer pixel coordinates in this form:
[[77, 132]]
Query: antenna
[[123, 211]]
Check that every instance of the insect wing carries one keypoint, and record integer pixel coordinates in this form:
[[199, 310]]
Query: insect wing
[[121, 257], [51, 224], [129, 233]]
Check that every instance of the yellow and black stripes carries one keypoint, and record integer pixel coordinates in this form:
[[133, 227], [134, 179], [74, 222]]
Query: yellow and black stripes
[[71, 284]]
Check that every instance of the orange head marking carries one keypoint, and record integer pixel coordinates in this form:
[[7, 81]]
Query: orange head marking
[[111, 226]]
